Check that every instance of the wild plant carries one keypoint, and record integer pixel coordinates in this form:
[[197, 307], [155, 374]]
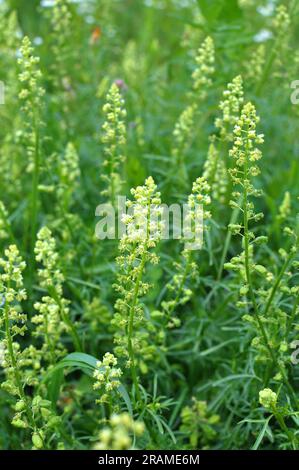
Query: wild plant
[[113, 139], [132, 329], [31, 98]]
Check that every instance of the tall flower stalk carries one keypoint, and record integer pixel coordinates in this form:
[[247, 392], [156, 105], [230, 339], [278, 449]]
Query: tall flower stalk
[[246, 154], [143, 232], [185, 128], [114, 140], [52, 279], [186, 267], [14, 322], [31, 98]]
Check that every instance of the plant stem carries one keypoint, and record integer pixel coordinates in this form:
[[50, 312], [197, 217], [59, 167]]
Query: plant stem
[[234, 218], [34, 195], [284, 428], [249, 281]]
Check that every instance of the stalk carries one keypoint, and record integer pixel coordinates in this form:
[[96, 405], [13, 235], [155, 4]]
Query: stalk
[[16, 372], [132, 308], [250, 287], [284, 428], [34, 196]]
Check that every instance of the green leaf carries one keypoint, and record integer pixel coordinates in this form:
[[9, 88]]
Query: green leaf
[[82, 361], [261, 434], [210, 9], [54, 386], [220, 10], [125, 396]]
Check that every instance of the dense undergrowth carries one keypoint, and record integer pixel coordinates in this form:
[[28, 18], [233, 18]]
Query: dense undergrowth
[[144, 342]]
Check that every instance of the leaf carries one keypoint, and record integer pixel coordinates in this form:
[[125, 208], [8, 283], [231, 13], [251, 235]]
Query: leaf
[[125, 396], [157, 421], [210, 9], [82, 358], [82, 361], [54, 386], [87, 364], [261, 434]]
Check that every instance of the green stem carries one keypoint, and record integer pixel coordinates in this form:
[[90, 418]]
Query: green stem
[[284, 428], [234, 218]]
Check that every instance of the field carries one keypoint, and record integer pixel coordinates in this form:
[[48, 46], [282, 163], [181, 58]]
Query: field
[[149, 294]]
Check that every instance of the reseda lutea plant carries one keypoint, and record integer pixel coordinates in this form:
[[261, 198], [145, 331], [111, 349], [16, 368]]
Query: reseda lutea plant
[[146, 341]]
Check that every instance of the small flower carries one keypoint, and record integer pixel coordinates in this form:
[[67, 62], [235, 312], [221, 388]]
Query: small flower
[[268, 398], [118, 436], [120, 83], [106, 376]]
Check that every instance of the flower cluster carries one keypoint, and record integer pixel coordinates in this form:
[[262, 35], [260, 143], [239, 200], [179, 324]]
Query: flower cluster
[[245, 153], [230, 107], [182, 135], [13, 321], [49, 329], [45, 251], [143, 233], [267, 398], [198, 200], [118, 435], [205, 60], [282, 20], [285, 207], [183, 131], [255, 65], [113, 139], [12, 289], [97, 314], [186, 268], [52, 279], [69, 173], [199, 424], [61, 20], [281, 26], [4, 223], [215, 173], [31, 97], [106, 377]]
